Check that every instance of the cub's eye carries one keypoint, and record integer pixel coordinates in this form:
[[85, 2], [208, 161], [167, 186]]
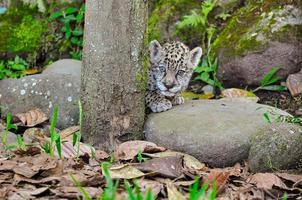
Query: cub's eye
[[162, 68], [181, 72]]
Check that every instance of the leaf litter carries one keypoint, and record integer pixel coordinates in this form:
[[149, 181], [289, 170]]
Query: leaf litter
[[30, 173]]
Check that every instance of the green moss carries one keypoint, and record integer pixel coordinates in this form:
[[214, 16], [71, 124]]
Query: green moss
[[26, 37], [253, 26], [235, 35], [20, 30]]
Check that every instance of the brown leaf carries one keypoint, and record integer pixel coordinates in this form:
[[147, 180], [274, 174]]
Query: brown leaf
[[32, 117], [146, 185], [74, 193], [170, 167], [239, 94], [290, 177], [173, 193], [48, 180], [220, 177], [30, 151], [190, 162], [25, 170], [101, 155], [7, 165], [266, 181], [125, 172], [128, 150], [67, 134], [70, 151]]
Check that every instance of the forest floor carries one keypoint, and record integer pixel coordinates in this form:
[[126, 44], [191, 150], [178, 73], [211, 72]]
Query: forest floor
[[135, 170]]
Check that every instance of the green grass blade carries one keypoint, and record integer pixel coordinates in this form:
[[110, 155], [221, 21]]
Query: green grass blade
[[59, 145], [53, 123], [277, 88], [85, 194], [268, 77]]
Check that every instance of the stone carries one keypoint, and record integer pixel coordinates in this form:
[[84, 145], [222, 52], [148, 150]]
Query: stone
[[276, 147], [253, 42], [59, 85], [208, 89], [217, 132], [294, 83]]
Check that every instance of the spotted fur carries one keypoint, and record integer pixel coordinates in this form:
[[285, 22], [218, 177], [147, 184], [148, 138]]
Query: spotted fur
[[169, 74]]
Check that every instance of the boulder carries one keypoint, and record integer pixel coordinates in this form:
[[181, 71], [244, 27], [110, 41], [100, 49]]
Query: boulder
[[58, 85], [258, 37], [276, 147], [294, 83], [217, 132]]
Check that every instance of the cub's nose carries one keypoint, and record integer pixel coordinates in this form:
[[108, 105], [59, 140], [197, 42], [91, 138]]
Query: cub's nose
[[169, 86]]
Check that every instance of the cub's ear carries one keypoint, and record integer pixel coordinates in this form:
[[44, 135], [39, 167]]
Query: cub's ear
[[195, 56], [155, 51]]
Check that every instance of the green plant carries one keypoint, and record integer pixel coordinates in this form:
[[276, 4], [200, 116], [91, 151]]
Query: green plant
[[55, 138], [76, 137], [207, 69], [135, 194], [140, 157], [73, 23], [13, 68], [199, 20], [196, 193], [271, 115], [9, 126], [269, 81]]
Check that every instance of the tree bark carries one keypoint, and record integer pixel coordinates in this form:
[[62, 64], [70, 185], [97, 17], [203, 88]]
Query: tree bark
[[113, 75]]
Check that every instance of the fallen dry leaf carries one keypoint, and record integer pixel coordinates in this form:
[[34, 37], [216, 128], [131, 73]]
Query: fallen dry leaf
[[239, 93], [128, 150], [145, 185], [295, 178], [266, 181], [190, 162], [173, 193], [170, 167], [67, 134], [125, 172], [29, 151], [219, 177], [32, 117]]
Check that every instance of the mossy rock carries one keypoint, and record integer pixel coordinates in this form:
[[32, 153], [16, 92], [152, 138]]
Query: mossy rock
[[258, 37], [276, 148]]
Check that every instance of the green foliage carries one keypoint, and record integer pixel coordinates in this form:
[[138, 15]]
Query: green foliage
[[269, 81], [85, 194], [196, 193], [199, 20], [13, 68], [140, 157], [207, 69], [26, 37], [73, 28], [272, 116], [8, 127], [163, 12], [55, 138]]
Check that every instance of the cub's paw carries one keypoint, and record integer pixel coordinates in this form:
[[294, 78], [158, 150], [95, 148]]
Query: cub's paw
[[178, 100], [161, 106]]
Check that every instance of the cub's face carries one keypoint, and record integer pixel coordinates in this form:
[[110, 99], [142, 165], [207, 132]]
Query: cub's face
[[173, 66]]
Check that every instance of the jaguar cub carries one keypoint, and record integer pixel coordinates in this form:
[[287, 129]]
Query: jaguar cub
[[171, 69]]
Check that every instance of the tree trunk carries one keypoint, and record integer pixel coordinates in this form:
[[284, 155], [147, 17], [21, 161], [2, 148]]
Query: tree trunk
[[113, 75]]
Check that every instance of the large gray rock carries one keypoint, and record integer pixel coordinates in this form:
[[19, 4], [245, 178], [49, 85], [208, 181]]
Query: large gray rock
[[217, 132], [252, 43], [58, 85], [278, 147]]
